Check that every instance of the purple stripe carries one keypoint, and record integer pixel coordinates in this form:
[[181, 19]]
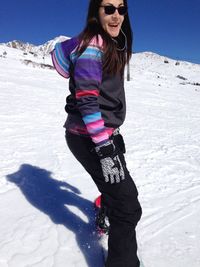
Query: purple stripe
[[89, 61], [88, 69], [69, 45], [84, 74]]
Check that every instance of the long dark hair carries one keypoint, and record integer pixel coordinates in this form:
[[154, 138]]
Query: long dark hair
[[115, 58]]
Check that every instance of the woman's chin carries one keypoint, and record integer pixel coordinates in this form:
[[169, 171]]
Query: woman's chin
[[113, 32]]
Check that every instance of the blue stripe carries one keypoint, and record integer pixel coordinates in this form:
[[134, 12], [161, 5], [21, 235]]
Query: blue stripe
[[89, 53], [61, 59], [92, 52], [92, 117], [73, 56]]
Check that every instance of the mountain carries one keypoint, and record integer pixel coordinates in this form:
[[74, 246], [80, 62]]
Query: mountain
[[42, 50], [29, 54], [146, 58], [159, 66]]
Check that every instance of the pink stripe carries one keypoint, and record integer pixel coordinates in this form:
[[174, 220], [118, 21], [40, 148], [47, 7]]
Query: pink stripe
[[110, 131], [94, 126], [103, 136], [81, 93], [97, 42], [79, 130]]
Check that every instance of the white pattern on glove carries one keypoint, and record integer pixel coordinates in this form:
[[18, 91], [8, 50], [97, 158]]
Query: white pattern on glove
[[112, 169]]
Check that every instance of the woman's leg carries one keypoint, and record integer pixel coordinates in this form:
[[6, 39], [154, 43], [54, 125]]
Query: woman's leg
[[120, 200]]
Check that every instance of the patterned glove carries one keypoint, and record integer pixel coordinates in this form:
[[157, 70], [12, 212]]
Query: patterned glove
[[113, 171]]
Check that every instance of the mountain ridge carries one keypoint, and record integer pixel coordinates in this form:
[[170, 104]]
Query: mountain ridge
[[44, 49]]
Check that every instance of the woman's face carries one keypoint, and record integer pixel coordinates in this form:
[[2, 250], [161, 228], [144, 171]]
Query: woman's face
[[111, 23]]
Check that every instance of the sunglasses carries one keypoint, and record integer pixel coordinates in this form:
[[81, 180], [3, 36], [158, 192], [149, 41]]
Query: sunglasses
[[109, 10]]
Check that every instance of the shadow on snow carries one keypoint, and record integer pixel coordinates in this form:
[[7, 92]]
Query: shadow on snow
[[52, 197]]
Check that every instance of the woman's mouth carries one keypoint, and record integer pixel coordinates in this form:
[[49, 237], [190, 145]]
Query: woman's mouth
[[113, 25], [113, 29]]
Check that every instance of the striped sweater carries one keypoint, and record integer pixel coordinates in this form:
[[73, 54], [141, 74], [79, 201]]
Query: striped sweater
[[87, 76]]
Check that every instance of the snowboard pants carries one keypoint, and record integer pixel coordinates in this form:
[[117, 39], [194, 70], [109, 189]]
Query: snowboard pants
[[120, 200]]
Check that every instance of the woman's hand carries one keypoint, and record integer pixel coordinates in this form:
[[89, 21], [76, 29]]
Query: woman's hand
[[112, 168]]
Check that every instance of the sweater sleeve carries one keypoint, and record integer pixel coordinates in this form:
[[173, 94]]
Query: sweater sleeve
[[60, 61], [61, 56], [88, 76]]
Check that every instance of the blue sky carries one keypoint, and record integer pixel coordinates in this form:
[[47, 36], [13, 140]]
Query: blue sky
[[166, 27]]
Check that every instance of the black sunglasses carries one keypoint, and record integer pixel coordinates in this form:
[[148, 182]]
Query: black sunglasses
[[109, 10]]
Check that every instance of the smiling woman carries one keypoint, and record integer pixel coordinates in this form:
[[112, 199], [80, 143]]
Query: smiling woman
[[111, 16], [95, 61]]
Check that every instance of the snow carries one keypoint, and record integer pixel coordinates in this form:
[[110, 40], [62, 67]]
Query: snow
[[47, 216]]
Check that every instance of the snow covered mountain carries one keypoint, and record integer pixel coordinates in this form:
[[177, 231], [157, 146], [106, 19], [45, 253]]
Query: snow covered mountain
[[46, 197], [42, 50], [29, 54], [38, 56]]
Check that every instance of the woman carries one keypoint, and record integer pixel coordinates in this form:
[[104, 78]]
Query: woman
[[94, 61]]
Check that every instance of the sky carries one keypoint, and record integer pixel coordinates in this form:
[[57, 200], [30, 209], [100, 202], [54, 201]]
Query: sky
[[166, 27]]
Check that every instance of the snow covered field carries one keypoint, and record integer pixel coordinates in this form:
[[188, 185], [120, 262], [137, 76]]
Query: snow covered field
[[47, 217]]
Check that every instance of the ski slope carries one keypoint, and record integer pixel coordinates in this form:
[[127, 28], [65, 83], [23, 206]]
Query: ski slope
[[47, 216]]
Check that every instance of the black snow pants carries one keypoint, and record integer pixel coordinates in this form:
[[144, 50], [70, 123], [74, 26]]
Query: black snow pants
[[120, 199]]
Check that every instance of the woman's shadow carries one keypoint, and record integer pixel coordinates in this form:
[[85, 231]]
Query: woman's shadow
[[52, 197]]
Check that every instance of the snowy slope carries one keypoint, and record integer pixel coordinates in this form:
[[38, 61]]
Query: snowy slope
[[47, 217]]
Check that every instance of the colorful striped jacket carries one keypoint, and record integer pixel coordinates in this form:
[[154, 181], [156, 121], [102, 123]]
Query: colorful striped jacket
[[97, 99]]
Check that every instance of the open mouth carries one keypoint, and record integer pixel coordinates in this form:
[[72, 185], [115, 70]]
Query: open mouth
[[113, 25]]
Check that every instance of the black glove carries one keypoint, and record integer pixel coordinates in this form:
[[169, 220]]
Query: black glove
[[112, 168]]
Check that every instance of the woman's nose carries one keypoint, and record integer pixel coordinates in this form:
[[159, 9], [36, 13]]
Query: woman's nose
[[116, 13]]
